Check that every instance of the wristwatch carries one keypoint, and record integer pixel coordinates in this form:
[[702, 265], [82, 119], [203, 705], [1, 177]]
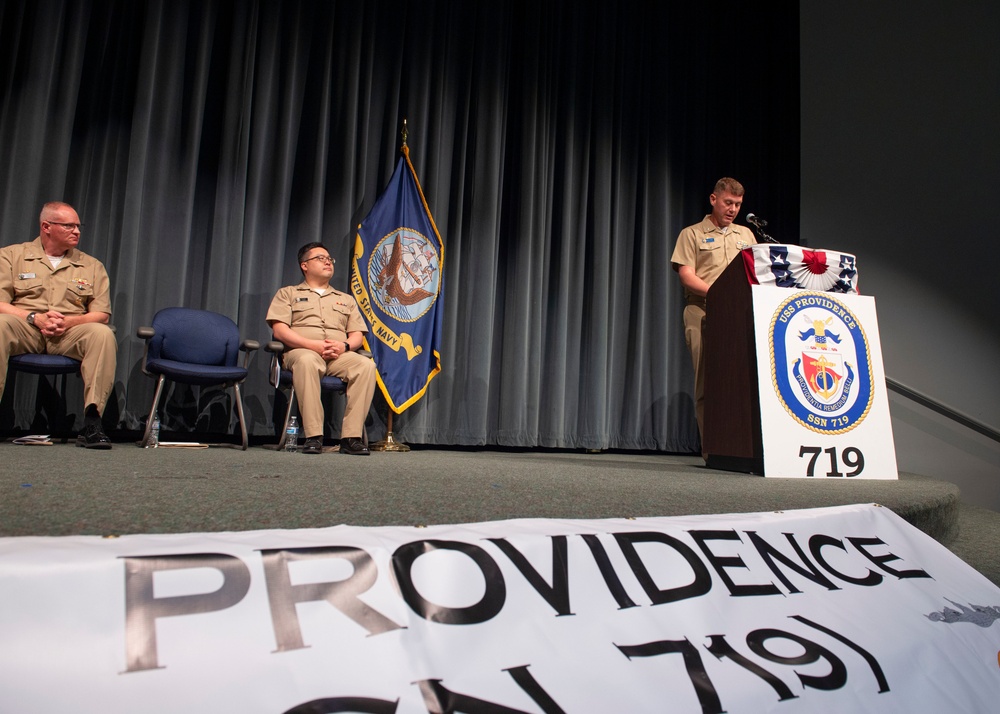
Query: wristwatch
[[31, 318], [347, 347]]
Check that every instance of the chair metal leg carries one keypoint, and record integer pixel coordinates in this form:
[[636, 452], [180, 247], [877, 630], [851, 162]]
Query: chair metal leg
[[152, 411], [288, 417], [239, 412], [63, 404]]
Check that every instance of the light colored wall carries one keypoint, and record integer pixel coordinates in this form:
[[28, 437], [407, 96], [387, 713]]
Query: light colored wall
[[900, 143]]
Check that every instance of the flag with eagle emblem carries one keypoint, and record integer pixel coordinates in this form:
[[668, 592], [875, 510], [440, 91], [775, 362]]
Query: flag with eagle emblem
[[396, 279]]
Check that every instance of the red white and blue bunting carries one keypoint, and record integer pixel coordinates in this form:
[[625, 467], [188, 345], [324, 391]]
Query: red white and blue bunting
[[792, 266]]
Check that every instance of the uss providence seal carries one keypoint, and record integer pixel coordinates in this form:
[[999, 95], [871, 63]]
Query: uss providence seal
[[820, 363]]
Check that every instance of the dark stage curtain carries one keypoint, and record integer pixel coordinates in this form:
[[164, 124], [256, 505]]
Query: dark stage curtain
[[561, 147]]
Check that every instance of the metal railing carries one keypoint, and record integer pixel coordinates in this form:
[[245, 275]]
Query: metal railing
[[943, 409]]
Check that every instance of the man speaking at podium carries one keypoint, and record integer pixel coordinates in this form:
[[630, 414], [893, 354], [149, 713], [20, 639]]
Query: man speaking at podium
[[702, 253]]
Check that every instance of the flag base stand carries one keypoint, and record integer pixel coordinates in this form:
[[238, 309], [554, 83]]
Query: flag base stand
[[389, 443]]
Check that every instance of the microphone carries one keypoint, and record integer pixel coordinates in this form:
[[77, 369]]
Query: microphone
[[756, 220]]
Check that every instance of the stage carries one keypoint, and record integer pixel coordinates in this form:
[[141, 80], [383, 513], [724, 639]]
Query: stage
[[64, 490]]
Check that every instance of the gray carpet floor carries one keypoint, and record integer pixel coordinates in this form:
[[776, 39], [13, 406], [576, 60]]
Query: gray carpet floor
[[63, 490]]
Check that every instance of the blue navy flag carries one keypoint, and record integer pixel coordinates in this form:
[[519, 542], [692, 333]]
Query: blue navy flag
[[398, 258]]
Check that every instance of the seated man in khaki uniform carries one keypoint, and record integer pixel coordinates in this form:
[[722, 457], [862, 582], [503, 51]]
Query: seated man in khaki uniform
[[321, 328], [55, 299]]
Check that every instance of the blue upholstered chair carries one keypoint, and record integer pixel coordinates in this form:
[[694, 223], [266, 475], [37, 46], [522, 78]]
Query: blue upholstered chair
[[281, 379], [196, 347], [47, 365]]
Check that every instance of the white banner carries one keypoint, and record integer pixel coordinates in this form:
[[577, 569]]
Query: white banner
[[824, 411], [844, 609]]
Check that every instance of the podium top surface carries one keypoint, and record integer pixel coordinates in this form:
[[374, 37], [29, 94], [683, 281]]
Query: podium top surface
[[792, 266]]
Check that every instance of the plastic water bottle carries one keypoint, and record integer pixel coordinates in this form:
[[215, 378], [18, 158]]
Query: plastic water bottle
[[154, 433], [292, 436]]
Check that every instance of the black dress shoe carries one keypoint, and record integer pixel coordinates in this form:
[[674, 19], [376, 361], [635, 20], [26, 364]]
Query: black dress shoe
[[93, 437], [313, 446], [354, 446]]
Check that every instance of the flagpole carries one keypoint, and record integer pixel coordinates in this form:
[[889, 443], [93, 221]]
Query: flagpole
[[389, 443]]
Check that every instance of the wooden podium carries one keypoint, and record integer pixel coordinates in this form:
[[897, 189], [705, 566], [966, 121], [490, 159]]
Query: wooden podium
[[732, 438], [794, 382]]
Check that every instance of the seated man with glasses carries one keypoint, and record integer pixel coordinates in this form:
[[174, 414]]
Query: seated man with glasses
[[56, 299], [321, 328]]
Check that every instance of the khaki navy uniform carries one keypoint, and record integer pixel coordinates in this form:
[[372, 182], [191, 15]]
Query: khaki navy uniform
[[329, 316], [709, 250], [79, 285]]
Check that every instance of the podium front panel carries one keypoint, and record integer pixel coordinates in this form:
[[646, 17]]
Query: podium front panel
[[824, 411]]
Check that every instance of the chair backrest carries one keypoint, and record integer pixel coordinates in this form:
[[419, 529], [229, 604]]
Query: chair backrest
[[195, 336]]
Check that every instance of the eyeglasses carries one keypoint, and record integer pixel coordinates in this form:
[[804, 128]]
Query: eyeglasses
[[67, 226], [322, 258]]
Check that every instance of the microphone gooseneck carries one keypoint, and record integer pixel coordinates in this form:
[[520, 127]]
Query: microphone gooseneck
[[759, 224]]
